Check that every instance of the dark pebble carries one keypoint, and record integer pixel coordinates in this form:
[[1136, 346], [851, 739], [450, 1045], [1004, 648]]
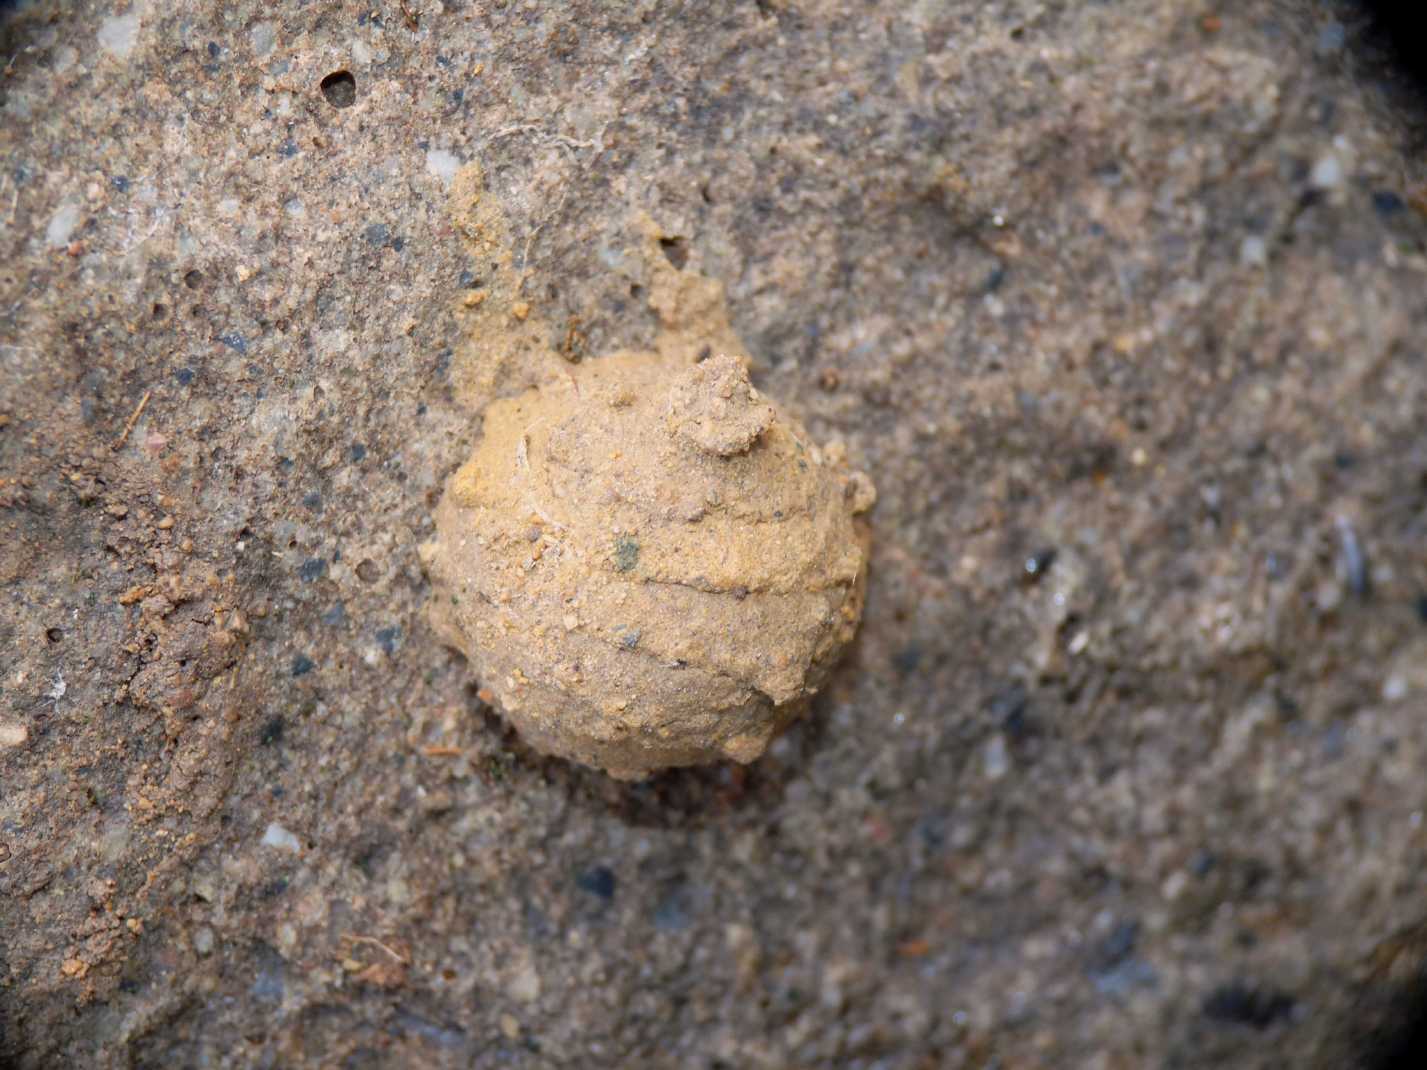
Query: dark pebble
[[273, 888], [443, 1036], [387, 639], [235, 342], [1009, 702], [288, 149], [184, 376], [597, 880], [1387, 204], [359, 452], [335, 616], [312, 568], [302, 665], [120, 183], [377, 234], [1202, 863], [906, 660], [272, 731], [313, 501], [672, 913], [267, 987], [932, 830], [1116, 947], [1422, 608], [1239, 1004]]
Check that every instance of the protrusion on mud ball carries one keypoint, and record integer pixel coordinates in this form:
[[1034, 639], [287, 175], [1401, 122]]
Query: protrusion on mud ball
[[339, 89]]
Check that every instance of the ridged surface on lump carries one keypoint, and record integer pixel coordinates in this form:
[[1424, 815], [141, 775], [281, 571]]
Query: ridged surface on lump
[[649, 565]]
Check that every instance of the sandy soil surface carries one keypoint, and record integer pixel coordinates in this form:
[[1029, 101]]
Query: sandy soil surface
[[1121, 306]]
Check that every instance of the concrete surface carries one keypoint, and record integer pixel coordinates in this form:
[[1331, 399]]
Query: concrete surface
[[1121, 305]]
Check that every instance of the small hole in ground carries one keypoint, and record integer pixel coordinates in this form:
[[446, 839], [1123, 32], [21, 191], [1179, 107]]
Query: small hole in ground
[[676, 251], [54, 635], [368, 571], [340, 89]]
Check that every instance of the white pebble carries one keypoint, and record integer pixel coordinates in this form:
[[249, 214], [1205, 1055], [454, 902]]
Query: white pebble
[[62, 225], [119, 33], [203, 941], [279, 837], [442, 164], [1253, 252], [263, 35], [1327, 173], [995, 757], [525, 985]]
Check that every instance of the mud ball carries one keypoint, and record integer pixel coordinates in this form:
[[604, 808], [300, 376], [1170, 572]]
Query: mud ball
[[649, 565]]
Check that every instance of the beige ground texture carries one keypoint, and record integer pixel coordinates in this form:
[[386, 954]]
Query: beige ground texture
[[1121, 308]]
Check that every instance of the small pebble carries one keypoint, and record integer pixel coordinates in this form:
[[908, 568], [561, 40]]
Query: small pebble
[[598, 881], [1327, 173], [62, 225], [1038, 563], [203, 941], [442, 164], [1388, 204], [387, 639], [1352, 560], [525, 985], [279, 837], [1253, 251], [1331, 38], [995, 758], [263, 36]]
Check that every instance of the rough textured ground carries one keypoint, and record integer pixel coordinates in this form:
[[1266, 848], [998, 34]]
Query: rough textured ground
[[1121, 304]]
